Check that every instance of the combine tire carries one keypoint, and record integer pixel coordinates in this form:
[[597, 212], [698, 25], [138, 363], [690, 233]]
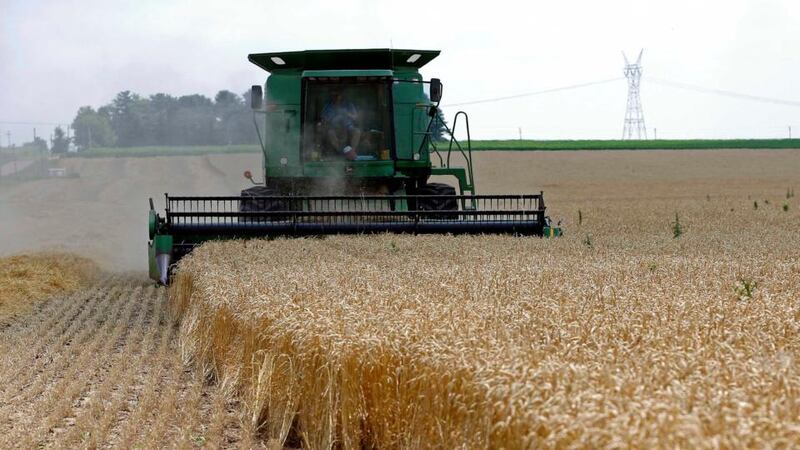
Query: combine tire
[[257, 204], [438, 204]]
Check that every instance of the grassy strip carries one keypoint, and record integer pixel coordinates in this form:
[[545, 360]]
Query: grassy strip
[[10, 154], [509, 145], [165, 151], [682, 144]]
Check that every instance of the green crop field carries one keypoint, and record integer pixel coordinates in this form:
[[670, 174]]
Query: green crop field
[[103, 152], [507, 145], [682, 144], [12, 153]]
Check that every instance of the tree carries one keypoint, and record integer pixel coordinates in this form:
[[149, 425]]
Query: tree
[[126, 118], [161, 119], [60, 142], [194, 101], [230, 113], [438, 129], [195, 120], [227, 99], [159, 125], [246, 96], [93, 129]]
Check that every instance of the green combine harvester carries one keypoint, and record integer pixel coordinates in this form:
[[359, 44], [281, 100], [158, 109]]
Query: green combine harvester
[[349, 148]]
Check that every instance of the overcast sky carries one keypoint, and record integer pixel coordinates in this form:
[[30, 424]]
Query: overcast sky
[[58, 55]]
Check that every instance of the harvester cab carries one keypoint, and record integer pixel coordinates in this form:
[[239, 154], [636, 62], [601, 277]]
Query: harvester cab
[[350, 140], [350, 121]]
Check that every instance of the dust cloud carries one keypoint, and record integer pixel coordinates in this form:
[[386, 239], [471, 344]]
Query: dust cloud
[[102, 214]]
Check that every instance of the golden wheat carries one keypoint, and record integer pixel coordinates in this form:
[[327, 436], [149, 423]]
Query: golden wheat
[[617, 335], [486, 342], [27, 279]]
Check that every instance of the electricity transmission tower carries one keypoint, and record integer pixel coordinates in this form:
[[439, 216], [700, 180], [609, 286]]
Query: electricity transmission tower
[[634, 117]]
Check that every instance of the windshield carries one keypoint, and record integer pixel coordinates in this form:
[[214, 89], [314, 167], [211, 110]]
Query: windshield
[[347, 119]]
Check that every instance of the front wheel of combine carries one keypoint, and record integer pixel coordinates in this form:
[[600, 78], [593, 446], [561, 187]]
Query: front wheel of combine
[[446, 200], [252, 202]]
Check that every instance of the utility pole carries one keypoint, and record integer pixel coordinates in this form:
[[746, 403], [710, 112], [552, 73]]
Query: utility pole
[[42, 153], [520, 133], [655, 134], [13, 152], [634, 117]]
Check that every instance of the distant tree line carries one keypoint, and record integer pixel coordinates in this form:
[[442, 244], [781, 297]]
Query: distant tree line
[[131, 120]]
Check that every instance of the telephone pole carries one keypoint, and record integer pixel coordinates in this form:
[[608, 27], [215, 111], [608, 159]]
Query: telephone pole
[[634, 127], [13, 152]]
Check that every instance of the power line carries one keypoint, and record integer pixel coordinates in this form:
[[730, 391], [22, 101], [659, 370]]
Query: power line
[[529, 94], [656, 80], [33, 123], [704, 90]]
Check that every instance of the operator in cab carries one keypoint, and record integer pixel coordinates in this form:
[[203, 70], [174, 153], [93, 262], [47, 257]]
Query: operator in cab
[[340, 125]]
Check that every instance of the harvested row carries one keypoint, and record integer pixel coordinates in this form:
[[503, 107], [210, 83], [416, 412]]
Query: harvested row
[[101, 368], [487, 342]]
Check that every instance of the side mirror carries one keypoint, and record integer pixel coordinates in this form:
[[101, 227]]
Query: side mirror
[[256, 97], [436, 90]]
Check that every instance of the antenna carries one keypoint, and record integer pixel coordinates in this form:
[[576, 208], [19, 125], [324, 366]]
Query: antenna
[[634, 117]]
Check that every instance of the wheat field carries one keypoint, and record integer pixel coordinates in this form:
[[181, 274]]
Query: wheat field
[[619, 334], [28, 278], [667, 317]]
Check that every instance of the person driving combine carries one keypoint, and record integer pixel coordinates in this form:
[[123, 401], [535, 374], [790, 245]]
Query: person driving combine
[[339, 120]]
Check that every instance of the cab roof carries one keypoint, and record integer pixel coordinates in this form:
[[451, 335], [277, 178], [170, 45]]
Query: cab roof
[[362, 59]]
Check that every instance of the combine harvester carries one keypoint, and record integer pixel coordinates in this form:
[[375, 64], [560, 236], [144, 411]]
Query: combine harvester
[[348, 149]]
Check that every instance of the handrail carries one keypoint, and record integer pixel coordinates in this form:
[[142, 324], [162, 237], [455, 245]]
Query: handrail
[[467, 156], [426, 135]]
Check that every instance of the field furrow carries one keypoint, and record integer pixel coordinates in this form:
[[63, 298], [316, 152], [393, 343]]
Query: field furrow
[[56, 323], [31, 381], [80, 366], [100, 368], [101, 397]]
